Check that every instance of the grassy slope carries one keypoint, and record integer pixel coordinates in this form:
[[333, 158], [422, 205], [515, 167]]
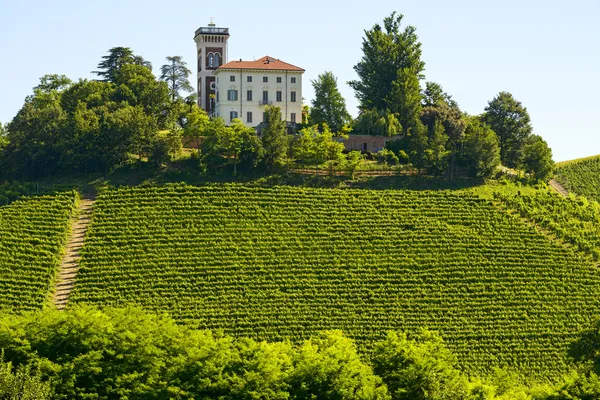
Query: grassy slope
[[284, 262]]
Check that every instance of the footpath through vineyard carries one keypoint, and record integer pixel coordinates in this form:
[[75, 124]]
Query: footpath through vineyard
[[69, 265], [559, 188]]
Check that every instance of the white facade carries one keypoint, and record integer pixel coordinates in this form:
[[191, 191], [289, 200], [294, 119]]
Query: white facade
[[245, 93]]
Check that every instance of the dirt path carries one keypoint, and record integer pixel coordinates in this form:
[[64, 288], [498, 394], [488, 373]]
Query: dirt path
[[559, 188], [70, 262]]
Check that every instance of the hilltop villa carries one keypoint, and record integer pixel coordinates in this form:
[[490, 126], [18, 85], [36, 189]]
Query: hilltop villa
[[242, 89]]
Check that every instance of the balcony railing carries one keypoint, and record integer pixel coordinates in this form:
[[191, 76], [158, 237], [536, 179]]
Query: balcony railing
[[266, 102], [212, 30]]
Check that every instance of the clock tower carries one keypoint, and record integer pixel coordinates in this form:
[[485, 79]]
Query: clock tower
[[211, 44]]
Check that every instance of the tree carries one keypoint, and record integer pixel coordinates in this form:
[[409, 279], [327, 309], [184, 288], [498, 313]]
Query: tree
[[312, 147], [328, 106], [378, 122], [481, 153], [537, 158], [22, 383], [139, 60], [3, 138], [138, 86], [386, 52], [115, 60], [405, 98], [273, 138], [436, 154], [53, 82], [510, 120], [329, 367], [176, 74], [439, 106], [418, 367]]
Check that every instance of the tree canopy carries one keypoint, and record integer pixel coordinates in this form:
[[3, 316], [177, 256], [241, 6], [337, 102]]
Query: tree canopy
[[328, 106], [176, 74], [510, 120]]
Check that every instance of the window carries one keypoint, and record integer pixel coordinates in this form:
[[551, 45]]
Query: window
[[232, 78], [293, 97], [232, 95], [265, 79], [293, 117], [217, 95], [217, 61], [278, 95], [249, 116], [232, 115], [248, 79], [265, 96], [249, 95], [278, 79], [293, 79], [210, 60]]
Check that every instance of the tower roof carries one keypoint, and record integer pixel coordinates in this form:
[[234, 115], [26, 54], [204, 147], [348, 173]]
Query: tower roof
[[212, 30], [268, 63]]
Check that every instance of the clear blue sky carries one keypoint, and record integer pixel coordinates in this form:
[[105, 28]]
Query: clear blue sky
[[546, 53]]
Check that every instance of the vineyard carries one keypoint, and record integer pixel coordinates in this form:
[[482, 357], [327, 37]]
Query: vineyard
[[33, 232], [581, 176], [274, 263], [574, 220]]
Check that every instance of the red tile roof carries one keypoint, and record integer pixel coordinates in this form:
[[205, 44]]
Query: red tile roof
[[269, 63]]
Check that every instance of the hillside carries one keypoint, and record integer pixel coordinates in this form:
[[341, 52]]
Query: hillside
[[581, 176], [275, 263], [33, 232]]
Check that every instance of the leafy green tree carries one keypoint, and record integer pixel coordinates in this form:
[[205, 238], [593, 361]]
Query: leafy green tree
[[312, 147], [3, 138], [378, 122], [386, 51], [418, 367], [404, 98], [112, 63], [537, 158], [138, 86], [436, 154], [328, 106], [176, 74], [273, 138], [34, 136], [439, 106], [510, 120], [22, 383], [481, 153], [434, 94], [328, 367], [53, 82]]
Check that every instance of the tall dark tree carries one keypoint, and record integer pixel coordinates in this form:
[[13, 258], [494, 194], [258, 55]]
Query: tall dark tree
[[116, 58], [391, 60], [510, 120], [328, 106], [176, 74], [139, 60], [273, 138]]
